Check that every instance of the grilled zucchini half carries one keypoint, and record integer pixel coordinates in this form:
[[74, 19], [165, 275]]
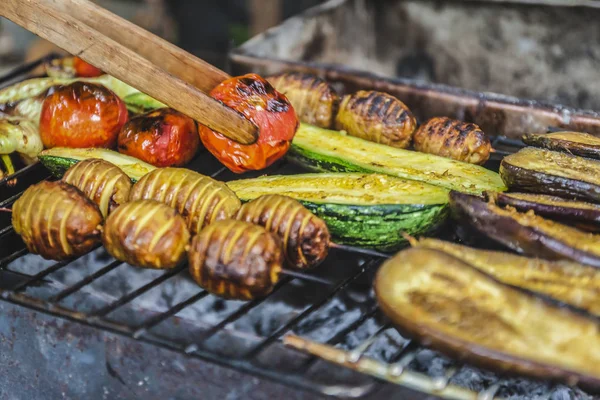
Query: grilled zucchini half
[[367, 210], [326, 150]]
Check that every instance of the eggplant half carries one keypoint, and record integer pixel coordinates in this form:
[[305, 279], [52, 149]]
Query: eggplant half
[[526, 233], [577, 143], [446, 304], [568, 282], [572, 212], [550, 172]]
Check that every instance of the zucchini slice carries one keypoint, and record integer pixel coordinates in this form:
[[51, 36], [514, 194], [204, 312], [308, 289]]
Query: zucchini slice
[[568, 282], [550, 172], [444, 302], [325, 150], [59, 159], [577, 143], [367, 210]]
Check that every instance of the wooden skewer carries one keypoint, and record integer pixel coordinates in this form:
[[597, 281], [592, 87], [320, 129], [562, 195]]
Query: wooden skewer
[[135, 56]]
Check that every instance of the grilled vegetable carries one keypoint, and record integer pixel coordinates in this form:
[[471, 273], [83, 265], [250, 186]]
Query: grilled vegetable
[[305, 237], [527, 233], [102, 182], [18, 135], [82, 115], [568, 211], [367, 210], [255, 98], [550, 172], [569, 282], [577, 143], [199, 199], [450, 138], [163, 138], [377, 117], [314, 100], [56, 220], [236, 260], [69, 67], [59, 159], [447, 304], [325, 150], [146, 233]]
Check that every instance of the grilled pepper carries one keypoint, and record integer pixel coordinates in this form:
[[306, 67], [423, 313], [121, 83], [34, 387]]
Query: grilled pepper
[[315, 101], [147, 234], [101, 181], [199, 199], [305, 236], [56, 220], [377, 117], [450, 138], [236, 260], [271, 111]]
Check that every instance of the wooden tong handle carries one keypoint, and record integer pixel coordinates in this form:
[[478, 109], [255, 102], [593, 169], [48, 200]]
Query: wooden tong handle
[[46, 19]]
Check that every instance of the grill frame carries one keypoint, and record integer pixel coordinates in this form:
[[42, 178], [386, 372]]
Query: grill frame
[[13, 299]]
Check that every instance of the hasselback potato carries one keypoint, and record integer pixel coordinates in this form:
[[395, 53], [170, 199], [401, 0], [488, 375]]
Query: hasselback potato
[[315, 101], [236, 260], [377, 117], [450, 138], [101, 181], [199, 199], [305, 236], [146, 233], [56, 220]]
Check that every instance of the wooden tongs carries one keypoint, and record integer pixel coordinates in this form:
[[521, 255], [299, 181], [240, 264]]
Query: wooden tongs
[[135, 56]]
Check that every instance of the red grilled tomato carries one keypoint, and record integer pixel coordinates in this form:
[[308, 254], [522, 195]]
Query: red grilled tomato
[[163, 138], [82, 115], [85, 70], [257, 100]]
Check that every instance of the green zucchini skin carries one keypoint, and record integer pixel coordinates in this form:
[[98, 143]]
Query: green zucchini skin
[[318, 149]]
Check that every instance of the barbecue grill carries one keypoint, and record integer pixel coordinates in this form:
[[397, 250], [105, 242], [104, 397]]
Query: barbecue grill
[[98, 328]]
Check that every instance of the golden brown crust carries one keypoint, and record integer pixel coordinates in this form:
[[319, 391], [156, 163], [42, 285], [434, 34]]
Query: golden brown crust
[[450, 138], [199, 199], [236, 260], [305, 237], [56, 220], [377, 117], [147, 234], [314, 100], [101, 181]]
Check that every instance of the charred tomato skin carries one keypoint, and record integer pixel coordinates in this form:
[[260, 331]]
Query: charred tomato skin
[[163, 138], [82, 115], [254, 98], [84, 69]]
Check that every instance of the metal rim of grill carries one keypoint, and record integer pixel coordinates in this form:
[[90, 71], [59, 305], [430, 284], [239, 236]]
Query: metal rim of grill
[[339, 284]]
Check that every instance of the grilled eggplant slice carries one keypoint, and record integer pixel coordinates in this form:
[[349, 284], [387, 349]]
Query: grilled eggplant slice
[[577, 143], [305, 237], [571, 212], [527, 233], [57, 221], [452, 307], [102, 182], [568, 282], [236, 260], [377, 117], [147, 234], [314, 100], [200, 199], [550, 172]]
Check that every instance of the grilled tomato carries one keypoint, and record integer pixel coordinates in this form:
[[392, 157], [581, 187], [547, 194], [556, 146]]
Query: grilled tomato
[[84, 69], [82, 115], [257, 100], [163, 137]]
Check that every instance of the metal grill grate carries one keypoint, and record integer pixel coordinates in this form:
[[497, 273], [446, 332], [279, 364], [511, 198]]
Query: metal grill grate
[[336, 319]]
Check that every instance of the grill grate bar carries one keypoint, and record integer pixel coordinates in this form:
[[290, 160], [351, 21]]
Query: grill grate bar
[[11, 199], [25, 69], [143, 328], [84, 282], [41, 275], [314, 307], [18, 173], [136, 293], [6, 230], [8, 259]]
